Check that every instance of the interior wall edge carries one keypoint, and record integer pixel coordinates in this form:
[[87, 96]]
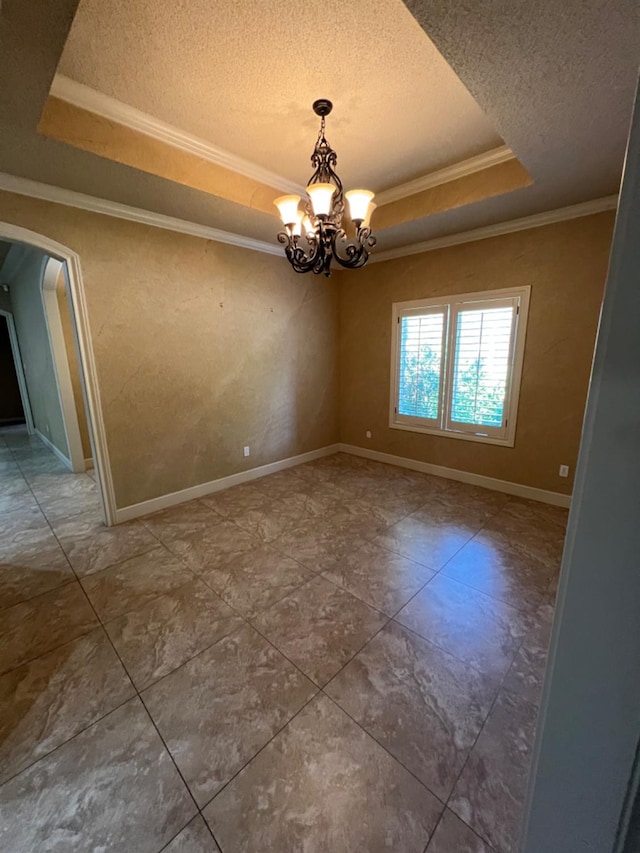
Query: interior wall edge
[[520, 490], [43, 438]]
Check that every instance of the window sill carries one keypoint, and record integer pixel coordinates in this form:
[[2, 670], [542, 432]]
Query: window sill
[[508, 441]]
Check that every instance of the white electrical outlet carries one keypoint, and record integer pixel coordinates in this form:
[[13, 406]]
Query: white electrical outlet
[[368, 433], [246, 450], [564, 470]]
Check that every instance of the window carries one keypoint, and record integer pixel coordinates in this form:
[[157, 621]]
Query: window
[[456, 364]]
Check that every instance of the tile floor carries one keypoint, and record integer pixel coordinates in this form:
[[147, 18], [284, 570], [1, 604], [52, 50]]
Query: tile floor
[[344, 656]]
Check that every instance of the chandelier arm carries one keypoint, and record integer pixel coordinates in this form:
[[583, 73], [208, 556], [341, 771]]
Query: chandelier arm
[[301, 261], [357, 253]]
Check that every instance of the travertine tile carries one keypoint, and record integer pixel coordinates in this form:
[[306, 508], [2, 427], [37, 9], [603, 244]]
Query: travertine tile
[[214, 547], [454, 836], [47, 701], [87, 794], [35, 569], [381, 578], [526, 675], [321, 543], [18, 527], [256, 579], [474, 627], [90, 546], [489, 795], [194, 838], [428, 541], [498, 568], [310, 497], [34, 627], [235, 501], [220, 691], [319, 627], [323, 785], [16, 496], [473, 498], [159, 637], [218, 710], [185, 519], [536, 535], [135, 582], [69, 497], [247, 507], [423, 705], [544, 517]]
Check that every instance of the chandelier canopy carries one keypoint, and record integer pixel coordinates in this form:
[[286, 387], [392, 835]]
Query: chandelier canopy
[[320, 219]]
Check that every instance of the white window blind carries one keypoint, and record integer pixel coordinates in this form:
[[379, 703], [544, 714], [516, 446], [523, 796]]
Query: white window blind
[[482, 361], [421, 360], [456, 364]]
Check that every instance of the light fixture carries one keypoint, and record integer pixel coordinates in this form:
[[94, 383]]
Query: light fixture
[[321, 217]]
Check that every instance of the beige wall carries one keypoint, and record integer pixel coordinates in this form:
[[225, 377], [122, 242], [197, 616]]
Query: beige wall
[[74, 369], [35, 350], [566, 265], [200, 348]]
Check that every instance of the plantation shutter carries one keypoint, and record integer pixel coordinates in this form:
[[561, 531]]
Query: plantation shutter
[[480, 366], [421, 358]]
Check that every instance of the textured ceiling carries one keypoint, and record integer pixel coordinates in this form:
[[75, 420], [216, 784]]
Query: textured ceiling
[[241, 76], [555, 78]]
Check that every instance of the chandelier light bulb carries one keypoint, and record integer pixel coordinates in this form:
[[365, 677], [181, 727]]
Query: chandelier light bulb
[[321, 196], [288, 207], [359, 201]]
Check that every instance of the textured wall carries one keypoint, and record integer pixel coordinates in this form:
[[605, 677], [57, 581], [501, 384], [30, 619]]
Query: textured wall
[[200, 349], [72, 358], [33, 339], [566, 266]]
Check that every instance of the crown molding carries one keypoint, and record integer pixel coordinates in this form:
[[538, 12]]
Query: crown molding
[[537, 220], [450, 173], [69, 198], [86, 98]]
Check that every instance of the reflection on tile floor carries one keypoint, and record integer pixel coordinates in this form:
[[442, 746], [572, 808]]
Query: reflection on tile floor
[[343, 656]]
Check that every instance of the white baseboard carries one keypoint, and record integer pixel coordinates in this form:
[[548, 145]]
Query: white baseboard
[[165, 501], [517, 489], [43, 438]]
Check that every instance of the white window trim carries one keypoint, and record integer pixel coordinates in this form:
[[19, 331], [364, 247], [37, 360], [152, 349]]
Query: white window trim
[[403, 422]]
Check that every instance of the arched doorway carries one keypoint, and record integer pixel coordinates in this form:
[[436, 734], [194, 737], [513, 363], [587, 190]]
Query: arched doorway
[[64, 259]]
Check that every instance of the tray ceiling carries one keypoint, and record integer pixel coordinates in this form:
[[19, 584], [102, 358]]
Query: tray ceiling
[[554, 81], [243, 76]]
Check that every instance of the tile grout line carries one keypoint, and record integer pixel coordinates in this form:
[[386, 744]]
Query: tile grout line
[[137, 692], [462, 769], [247, 621], [262, 748]]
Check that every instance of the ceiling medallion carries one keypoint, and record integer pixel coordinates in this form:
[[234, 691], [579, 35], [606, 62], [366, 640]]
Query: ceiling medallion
[[321, 217]]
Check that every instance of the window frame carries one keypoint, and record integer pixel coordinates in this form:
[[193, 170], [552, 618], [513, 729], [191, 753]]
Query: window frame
[[452, 306]]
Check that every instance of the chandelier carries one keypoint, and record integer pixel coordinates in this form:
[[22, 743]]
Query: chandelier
[[321, 216]]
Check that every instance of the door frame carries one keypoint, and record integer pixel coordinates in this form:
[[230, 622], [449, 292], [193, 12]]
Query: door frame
[[86, 359], [51, 269]]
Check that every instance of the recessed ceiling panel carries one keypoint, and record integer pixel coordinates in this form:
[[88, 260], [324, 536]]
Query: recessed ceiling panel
[[243, 76]]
